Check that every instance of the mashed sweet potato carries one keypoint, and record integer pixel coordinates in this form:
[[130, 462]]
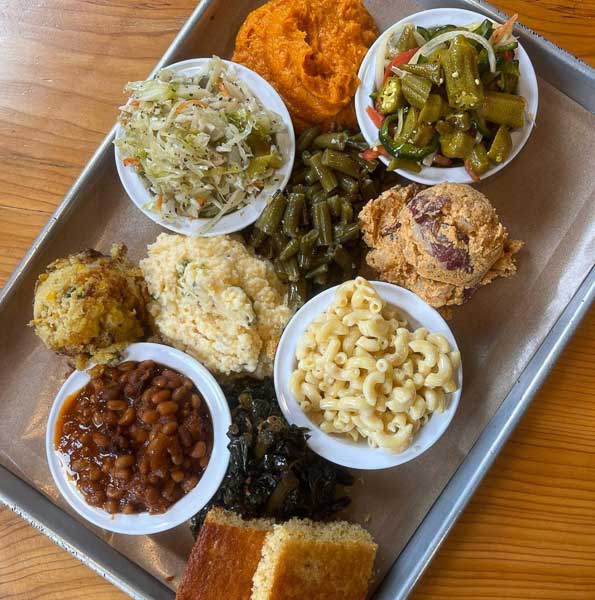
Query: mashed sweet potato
[[310, 51]]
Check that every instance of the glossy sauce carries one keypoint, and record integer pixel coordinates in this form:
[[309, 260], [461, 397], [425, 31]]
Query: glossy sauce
[[137, 437]]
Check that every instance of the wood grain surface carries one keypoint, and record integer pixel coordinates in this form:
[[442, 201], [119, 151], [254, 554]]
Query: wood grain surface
[[529, 532]]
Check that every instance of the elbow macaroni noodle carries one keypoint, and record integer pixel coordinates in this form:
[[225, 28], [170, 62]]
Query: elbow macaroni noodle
[[363, 374]]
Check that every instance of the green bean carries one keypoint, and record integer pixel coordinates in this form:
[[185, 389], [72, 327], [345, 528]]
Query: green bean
[[306, 138], [321, 269], [306, 156], [503, 109], [271, 216], [340, 162], [256, 237], [346, 211], [266, 249], [298, 177], [291, 248], [322, 278], [367, 189], [279, 241], [323, 223], [416, 90], [342, 258], [293, 214], [347, 232], [368, 165], [291, 268], [357, 142], [280, 270], [313, 190], [327, 178], [348, 184], [319, 196], [297, 293], [461, 75], [334, 140], [307, 244], [321, 258], [501, 146], [334, 204]]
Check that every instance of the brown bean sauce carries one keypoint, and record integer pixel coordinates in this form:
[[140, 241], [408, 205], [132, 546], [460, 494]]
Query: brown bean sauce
[[137, 437]]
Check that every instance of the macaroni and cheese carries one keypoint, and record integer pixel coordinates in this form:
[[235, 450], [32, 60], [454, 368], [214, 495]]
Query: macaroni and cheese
[[362, 373]]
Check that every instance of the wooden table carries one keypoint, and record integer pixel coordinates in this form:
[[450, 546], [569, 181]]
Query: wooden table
[[529, 531]]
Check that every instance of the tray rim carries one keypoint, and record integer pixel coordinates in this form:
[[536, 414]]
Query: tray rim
[[67, 532]]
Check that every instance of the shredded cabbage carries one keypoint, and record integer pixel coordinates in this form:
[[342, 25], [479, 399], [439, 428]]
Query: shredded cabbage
[[204, 145]]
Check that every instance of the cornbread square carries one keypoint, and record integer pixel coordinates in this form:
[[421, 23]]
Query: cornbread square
[[315, 561], [224, 558]]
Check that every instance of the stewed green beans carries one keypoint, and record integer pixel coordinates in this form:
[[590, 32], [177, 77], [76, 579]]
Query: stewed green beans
[[311, 231]]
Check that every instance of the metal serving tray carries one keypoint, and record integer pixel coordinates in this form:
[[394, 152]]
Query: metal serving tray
[[566, 73]]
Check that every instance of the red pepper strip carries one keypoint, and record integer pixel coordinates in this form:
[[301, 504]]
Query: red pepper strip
[[508, 55], [400, 59], [374, 152], [442, 161], [471, 172], [130, 161], [375, 116], [370, 154]]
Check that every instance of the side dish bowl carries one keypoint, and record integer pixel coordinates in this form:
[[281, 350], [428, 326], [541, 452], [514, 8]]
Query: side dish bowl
[[136, 188], [193, 501], [338, 449], [527, 88]]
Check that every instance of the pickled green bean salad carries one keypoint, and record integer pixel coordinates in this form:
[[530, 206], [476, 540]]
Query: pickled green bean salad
[[447, 96], [204, 144]]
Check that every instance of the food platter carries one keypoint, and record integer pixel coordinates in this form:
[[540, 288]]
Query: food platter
[[477, 432]]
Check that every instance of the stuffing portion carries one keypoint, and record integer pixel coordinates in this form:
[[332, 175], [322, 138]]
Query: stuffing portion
[[90, 306]]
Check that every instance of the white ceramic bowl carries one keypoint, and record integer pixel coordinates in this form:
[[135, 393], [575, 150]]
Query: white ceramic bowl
[[340, 449], [193, 501], [135, 185], [431, 18]]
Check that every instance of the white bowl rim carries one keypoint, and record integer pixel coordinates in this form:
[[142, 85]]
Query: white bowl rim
[[435, 175], [193, 501], [137, 192], [341, 450]]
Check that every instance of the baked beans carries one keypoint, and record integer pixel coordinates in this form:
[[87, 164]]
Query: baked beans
[[138, 437]]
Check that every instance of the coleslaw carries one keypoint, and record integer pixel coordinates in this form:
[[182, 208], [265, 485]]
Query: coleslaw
[[204, 144]]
